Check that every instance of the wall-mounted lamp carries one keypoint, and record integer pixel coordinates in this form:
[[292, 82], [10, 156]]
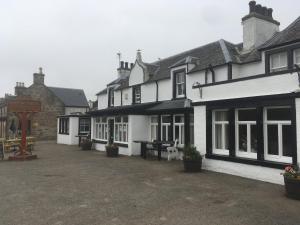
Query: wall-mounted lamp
[[198, 85]]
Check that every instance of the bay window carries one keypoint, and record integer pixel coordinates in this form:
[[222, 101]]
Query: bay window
[[166, 130], [153, 128], [121, 129], [246, 133], [220, 128], [179, 129], [101, 128], [278, 62], [277, 134], [297, 56]]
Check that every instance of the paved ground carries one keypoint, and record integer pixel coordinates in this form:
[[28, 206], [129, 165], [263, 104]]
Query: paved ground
[[68, 186]]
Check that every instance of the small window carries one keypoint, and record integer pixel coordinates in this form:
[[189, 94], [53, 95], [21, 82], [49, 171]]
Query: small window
[[136, 94], [84, 125], [278, 62], [111, 97], [153, 128], [180, 84], [220, 131], [297, 56], [64, 126]]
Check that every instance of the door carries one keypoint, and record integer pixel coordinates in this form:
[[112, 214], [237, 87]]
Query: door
[[111, 133]]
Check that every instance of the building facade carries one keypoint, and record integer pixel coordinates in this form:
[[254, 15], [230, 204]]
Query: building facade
[[54, 102], [239, 104]]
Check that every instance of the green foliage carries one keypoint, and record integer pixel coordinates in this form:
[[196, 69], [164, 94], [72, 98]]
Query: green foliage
[[191, 153]]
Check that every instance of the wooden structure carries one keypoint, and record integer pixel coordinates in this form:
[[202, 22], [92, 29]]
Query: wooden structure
[[23, 107]]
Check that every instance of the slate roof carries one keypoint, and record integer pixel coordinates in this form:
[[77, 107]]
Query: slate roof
[[288, 35], [164, 106], [70, 97]]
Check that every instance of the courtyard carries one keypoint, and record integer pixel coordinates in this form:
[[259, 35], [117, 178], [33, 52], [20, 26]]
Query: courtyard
[[66, 186]]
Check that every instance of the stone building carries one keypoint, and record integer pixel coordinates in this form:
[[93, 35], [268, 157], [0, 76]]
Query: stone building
[[55, 101]]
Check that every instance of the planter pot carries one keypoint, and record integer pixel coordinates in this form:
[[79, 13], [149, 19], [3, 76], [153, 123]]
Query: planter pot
[[192, 166], [112, 152], [86, 146], [292, 188]]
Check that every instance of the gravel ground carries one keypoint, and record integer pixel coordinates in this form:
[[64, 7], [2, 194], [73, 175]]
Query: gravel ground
[[66, 186]]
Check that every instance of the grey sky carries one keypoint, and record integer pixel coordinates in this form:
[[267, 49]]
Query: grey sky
[[76, 41]]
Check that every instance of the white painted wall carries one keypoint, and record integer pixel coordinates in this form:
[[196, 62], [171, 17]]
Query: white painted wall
[[117, 98], [102, 101], [127, 96], [148, 92], [73, 110], [71, 138], [284, 83], [165, 90], [297, 105], [200, 128], [136, 75]]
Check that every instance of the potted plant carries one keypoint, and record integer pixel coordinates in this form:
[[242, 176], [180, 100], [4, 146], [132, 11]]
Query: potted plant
[[112, 150], [192, 160], [86, 144], [292, 182]]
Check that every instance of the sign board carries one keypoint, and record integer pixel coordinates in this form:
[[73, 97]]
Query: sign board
[[22, 104]]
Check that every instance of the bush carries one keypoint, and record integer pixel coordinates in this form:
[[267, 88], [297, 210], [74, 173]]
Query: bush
[[191, 153]]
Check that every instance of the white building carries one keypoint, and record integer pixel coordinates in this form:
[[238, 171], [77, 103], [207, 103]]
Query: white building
[[237, 103]]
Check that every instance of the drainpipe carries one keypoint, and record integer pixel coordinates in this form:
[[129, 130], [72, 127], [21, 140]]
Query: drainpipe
[[121, 97], [156, 90]]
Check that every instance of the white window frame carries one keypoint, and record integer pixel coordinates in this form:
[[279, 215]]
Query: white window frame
[[165, 126], [280, 67], [181, 130], [101, 129], [137, 96], [180, 83], [279, 123], [297, 55], [64, 125], [154, 126], [124, 129], [239, 153], [82, 131], [222, 151]]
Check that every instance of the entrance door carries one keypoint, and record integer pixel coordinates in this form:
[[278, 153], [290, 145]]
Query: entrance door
[[111, 133]]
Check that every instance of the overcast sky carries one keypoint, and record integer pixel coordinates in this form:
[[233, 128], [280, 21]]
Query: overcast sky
[[76, 41]]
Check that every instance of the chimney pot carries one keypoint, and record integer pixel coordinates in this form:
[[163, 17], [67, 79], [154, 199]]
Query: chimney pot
[[264, 11], [126, 65], [131, 65], [269, 12], [122, 65], [252, 6], [258, 9], [139, 55]]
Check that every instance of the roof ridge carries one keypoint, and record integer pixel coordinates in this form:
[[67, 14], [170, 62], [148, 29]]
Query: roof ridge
[[66, 88]]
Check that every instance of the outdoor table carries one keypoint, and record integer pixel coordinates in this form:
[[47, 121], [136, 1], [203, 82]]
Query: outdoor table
[[157, 143]]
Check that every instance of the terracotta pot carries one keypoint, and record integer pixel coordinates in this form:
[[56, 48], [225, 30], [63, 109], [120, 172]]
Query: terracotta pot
[[192, 166], [292, 187]]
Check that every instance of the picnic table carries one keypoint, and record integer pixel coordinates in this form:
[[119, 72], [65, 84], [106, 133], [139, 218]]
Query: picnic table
[[156, 144]]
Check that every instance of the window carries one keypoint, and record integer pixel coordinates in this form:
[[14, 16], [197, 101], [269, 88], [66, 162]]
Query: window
[[277, 134], [84, 125], [166, 130], [63, 125], [136, 94], [121, 129], [180, 84], [220, 129], [179, 129], [153, 127], [297, 56], [111, 97], [278, 62], [246, 133], [101, 128]]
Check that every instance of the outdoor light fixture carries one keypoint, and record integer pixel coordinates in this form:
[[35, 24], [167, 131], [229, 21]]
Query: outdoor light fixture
[[197, 85]]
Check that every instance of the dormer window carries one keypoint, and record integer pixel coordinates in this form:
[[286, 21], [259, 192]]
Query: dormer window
[[136, 95], [179, 81], [297, 56], [278, 62], [111, 97]]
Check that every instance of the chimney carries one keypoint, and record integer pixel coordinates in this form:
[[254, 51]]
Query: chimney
[[20, 89], [139, 56], [38, 78], [123, 70], [258, 26]]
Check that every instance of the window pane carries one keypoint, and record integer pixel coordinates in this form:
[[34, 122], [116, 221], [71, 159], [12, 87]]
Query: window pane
[[247, 115], [226, 136], [273, 139], [179, 89], [287, 146], [166, 119], [164, 134], [125, 119], [179, 119], [117, 132], [279, 114], [297, 56], [221, 116], [154, 119], [104, 119], [118, 119], [218, 136], [177, 133], [253, 139], [243, 138]]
